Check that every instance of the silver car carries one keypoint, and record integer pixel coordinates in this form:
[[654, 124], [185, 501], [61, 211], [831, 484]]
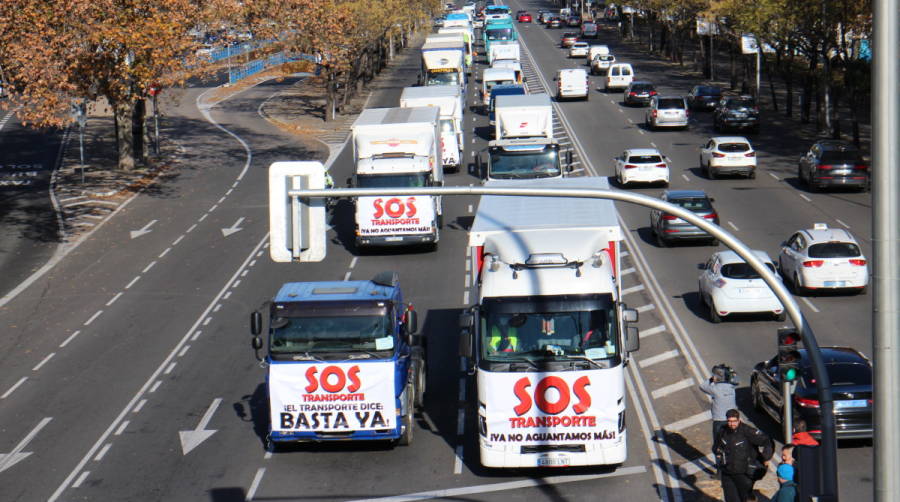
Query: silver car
[[667, 111]]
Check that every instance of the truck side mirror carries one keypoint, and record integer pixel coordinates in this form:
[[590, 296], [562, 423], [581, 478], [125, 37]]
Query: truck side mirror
[[569, 160], [255, 323], [257, 343], [350, 182], [465, 343], [632, 339], [465, 320], [630, 315], [411, 321]]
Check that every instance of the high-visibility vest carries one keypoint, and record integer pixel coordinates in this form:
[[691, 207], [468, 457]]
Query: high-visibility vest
[[496, 339]]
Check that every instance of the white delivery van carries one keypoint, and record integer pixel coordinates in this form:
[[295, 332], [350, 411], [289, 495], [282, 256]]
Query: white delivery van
[[512, 64], [572, 83], [618, 77], [595, 50], [397, 147], [494, 76], [451, 103]]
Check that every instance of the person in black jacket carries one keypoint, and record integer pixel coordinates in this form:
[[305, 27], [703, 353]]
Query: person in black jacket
[[737, 453]]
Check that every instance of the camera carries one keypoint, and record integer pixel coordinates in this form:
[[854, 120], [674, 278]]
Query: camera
[[724, 373]]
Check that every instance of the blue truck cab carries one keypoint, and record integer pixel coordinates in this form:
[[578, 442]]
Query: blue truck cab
[[502, 90], [344, 362]]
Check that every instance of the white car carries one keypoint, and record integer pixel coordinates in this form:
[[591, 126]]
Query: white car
[[572, 83], [728, 155], [823, 258], [728, 285], [642, 165], [618, 77], [578, 50]]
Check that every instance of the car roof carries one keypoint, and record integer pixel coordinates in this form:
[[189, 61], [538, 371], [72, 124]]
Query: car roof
[[727, 257], [504, 89], [730, 139], [831, 355], [570, 34], [836, 144], [643, 151], [580, 44], [828, 235], [565, 71], [640, 82], [685, 194], [670, 97]]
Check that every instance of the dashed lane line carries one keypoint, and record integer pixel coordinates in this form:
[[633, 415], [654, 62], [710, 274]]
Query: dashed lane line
[[665, 356], [691, 421], [672, 388], [810, 304]]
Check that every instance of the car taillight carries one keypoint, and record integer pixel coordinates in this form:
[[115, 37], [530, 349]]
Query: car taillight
[[653, 113], [710, 216], [860, 167], [718, 155], [805, 402], [755, 109], [630, 166], [653, 93], [669, 217], [720, 283], [632, 93], [858, 262], [661, 165], [751, 154], [824, 167], [687, 113], [813, 263]]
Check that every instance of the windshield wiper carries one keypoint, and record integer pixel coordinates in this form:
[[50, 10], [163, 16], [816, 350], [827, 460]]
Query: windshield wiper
[[305, 357], [365, 354], [585, 358]]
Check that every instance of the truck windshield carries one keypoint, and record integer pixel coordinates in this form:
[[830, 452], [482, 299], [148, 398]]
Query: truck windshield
[[330, 334], [411, 180], [442, 78], [542, 337], [499, 34], [448, 126], [525, 164]]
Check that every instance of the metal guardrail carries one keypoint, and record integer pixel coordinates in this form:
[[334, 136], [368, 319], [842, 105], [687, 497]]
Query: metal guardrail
[[243, 71]]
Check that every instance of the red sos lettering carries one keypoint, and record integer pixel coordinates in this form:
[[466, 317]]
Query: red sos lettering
[[520, 389], [395, 207], [332, 379]]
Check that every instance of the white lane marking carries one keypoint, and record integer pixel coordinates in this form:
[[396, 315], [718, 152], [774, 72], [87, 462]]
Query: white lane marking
[[155, 386], [633, 289], [347, 276], [140, 406], [732, 225], [164, 252], [236, 283], [707, 463], [170, 368], [176, 241], [685, 177], [245, 272], [148, 267], [207, 321], [102, 452], [807, 199], [184, 350], [461, 492], [71, 337], [267, 455], [228, 192], [122, 428], [623, 254], [810, 304], [465, 298], [665, 356], [774, 176], [43, 361], [580, 169], [196, 335], [470, 208], [219, 306], [96, 315], [641, 131], [353, 262], [621, 110], [203, 217], [113, 299], [252, 263], [13, 457], [672, 388], [213, 208], [842, 223], [226, 295], [222, 199], [72, 198], [457, 463], [81, 479], [191, 228], [254, 485], [652, 331], [627, 271], [467, 281], [691, 421], [132, 282], [653, 145], [645, 308]]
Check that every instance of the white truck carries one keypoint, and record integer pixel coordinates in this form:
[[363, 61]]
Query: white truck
[[549, 336], [452, 33], [397, 147], [525, 147], [443, 62], [451, 103], [504, 50]]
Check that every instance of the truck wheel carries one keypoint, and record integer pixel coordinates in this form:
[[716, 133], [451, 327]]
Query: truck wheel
[[406, 437], [420, 387]]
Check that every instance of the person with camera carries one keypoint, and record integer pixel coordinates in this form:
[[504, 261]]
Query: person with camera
[[738, 458], [720, 388]]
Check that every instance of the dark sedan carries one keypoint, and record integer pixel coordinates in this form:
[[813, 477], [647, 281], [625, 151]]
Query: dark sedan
[[850, 373], [638, 93], [668, 228], [736, 112], [833, 163], [704, 97]]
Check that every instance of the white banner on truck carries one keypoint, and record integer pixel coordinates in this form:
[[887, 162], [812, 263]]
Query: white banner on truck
[[332, 397], [552, 408], [395, 215]]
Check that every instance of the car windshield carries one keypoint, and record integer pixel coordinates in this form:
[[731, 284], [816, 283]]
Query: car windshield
[[742, 270], [549, 336], [709, 91], [499, 34], [642, 88], [737, 104], [840, 157], [532, 164], [415, 180], [580, 45], [693, 204], [645, 159], [442, 78], [834, 250], [447, 126], [329, 334], [734, 147], [671, 104], [843, 374], [601, 57]]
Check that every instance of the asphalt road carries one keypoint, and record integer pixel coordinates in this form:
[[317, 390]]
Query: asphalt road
[[130, 341]]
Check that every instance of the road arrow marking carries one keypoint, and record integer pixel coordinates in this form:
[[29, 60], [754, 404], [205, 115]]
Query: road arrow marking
[[233, 228], [192, 439], [12, 458], [145, 230]]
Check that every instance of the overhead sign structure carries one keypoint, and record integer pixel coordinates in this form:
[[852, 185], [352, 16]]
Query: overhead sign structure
[[296, 224]]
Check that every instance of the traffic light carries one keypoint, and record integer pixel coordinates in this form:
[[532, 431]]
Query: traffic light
[[788, 355]]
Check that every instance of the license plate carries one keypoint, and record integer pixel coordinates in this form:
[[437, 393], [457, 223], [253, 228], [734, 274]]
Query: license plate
[[855, 403], [393, 239], [740, 115], [554, 461], [841, 171], [835, 284]]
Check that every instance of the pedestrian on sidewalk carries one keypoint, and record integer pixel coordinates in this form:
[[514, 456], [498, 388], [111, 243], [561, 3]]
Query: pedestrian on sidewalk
[[720, 387], [787, 492], [738, 457]]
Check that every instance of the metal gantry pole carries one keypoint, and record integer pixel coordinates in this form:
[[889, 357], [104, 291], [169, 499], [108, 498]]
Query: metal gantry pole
[[886, 243]]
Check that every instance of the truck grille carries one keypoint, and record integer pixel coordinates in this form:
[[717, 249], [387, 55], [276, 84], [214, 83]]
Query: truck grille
[[546, 448]]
